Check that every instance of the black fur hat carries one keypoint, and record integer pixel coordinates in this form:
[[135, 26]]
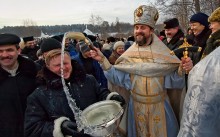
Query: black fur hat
[[171, 23], [29, 38]]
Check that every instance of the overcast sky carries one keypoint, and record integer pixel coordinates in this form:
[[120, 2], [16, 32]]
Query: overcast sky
[[58, 12]]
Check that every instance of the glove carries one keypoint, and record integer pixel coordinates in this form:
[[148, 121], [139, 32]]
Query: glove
[[68, 128], [118, 98]]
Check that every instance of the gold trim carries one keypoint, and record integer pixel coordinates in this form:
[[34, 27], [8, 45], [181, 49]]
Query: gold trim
[[139, 12], [199, 49], [153, 99], [156, 16], [147, 55]]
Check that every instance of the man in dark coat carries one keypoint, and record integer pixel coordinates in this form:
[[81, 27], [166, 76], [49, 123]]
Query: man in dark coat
[[30, 48], [174, 35], [17, 81], [174, 83], [200, 28]]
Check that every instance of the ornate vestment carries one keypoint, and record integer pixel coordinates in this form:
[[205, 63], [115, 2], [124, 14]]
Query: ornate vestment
[[147, 66], [201, 110]]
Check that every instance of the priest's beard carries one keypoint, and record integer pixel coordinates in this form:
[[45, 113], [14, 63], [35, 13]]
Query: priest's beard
[[141, 40]]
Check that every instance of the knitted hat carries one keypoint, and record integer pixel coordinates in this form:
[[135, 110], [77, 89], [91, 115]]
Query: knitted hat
[[106, 46], [215, 16], [49, 44], [171, 23], [117, 44], [57, 37], [9, 39], [200, 17], [146, 15]]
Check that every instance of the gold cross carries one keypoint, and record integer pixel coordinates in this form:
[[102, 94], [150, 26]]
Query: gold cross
[[157, 119]]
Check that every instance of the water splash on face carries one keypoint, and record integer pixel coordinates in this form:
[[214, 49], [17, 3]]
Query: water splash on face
[[81, 122]]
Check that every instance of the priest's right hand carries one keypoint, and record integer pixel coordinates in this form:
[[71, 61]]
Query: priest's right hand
[[97, 54], [187, 64]]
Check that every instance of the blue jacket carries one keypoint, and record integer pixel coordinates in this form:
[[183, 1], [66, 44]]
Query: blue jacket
[[96, 69]]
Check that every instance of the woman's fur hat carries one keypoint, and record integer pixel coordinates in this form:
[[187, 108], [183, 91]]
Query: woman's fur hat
[[215, 16]]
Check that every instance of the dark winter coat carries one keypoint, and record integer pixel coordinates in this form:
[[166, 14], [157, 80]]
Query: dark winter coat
[[175, 42], [200, 41], [48, 102], [31, 52], [13, 94], [40, 63], [92, 67], [212, 43]]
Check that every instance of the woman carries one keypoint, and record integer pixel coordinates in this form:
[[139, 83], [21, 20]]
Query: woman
[[48, 113], [214, 40], [118, 50]]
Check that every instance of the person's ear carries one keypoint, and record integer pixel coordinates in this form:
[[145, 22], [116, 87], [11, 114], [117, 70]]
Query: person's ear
[[19, 51], [151, 31]]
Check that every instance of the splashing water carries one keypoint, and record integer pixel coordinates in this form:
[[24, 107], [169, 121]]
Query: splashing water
[[81, 121]]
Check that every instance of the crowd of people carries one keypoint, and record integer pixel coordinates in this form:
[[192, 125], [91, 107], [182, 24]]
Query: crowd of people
[[153, 86]]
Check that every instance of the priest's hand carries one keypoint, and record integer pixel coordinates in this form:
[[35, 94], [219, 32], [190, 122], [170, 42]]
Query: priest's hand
[[97, 54], [186, 64]]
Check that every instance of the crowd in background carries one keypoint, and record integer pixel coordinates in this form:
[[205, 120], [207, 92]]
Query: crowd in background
[[37, 68]]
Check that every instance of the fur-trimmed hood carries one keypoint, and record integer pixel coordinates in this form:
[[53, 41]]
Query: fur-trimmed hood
[[26, 67]]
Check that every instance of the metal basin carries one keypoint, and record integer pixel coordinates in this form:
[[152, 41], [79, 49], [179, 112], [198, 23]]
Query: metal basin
[[105, 116]]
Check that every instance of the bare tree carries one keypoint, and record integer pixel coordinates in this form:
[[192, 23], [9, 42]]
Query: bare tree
[[98, 20], [30, 28], [197, 5], [29, 22], [117, 25], [104, 29], [95, 20], [92, 20], [208, 6], [184, 9]]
